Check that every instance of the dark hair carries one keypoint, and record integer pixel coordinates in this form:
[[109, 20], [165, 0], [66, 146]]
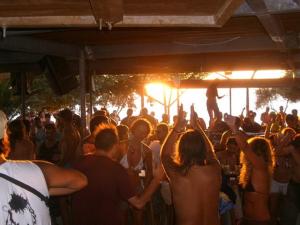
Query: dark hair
[[47, 115], [141, 122], [231, 140], [191, 150], [129, 111], [296, 141], [50, 126], [15, 131], [37, 119], [289, 117], [66, 115], [77, 121], [144, 111], [106, 136], [123, 132], [96, 121], [27, 125], [163, 126]]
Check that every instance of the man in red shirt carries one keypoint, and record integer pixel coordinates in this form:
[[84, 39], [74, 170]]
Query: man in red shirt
[[109, 184]]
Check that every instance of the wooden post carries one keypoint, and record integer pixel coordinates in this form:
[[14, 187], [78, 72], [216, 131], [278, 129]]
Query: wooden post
[[90, 95], [178, 100], [143, 97], [23, 94], [247, 101], [230, 102], [165, 100], [82, 74]]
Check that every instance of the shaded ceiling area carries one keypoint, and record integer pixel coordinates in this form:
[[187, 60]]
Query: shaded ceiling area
[[139, 36]]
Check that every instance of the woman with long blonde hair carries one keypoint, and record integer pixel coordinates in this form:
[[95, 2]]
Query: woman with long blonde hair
[[255, 176]]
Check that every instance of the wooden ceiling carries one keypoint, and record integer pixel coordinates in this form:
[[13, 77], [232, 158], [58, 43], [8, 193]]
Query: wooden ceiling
[[144, 36], [90, 13]]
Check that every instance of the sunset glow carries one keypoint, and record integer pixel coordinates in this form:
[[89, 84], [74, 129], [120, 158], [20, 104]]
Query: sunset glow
[[197, 96]]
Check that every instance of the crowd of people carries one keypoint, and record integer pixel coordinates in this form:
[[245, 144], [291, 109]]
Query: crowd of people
[[141, 170]]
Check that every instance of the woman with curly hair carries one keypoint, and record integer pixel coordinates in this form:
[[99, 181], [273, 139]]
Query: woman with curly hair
[[255, 176], [138, 161]]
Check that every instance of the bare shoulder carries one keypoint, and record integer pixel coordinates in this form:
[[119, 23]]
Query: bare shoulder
[[44, 165]]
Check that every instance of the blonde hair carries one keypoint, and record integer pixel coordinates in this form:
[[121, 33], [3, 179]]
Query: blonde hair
[[262, 148]]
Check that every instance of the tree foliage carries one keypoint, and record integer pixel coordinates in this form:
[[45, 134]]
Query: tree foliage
[[266, 96], [115, 90], [9, 102]]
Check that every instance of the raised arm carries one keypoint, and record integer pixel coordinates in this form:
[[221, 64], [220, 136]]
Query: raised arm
[[211, 156], [154, 184], [168, 147], [61, 181], [241, 139], [268, 130], [280, 149]]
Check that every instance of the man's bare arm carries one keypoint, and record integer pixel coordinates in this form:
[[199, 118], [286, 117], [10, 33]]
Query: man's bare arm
[[139, 201], [154, 184], [168, 148], [211, 156], [61, 181]]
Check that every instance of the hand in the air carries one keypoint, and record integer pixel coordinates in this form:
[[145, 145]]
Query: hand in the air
[[194, 118], [181, 122]]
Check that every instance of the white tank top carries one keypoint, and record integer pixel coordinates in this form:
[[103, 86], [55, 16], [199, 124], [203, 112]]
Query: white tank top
[[124, 161], [17, 205]]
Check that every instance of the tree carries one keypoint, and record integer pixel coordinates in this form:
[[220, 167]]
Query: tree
[[266, 96], [115, 90], [9, 102]]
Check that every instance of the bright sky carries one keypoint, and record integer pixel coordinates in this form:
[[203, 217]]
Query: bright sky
[[198, 97]]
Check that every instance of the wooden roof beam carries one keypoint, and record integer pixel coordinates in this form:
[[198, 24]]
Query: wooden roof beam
[[226, 11], [89, 21], [21, 67], [107, 12], [242, 83], [38, 46], [238, 44], [271, 25], [210, 62], [7, 57]]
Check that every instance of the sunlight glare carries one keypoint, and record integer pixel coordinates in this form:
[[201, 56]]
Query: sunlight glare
[[197, 96], [157, 90]]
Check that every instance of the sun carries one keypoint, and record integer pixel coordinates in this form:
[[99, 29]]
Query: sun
[[159, 91]]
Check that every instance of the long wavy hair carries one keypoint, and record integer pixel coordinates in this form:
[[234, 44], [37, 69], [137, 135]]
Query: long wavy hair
[[190, 150], [262, 148]]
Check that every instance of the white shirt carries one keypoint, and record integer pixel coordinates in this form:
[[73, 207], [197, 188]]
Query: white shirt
[[17, 205]]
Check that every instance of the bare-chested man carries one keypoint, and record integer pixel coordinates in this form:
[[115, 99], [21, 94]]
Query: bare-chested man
[[282, 172], [230, 158], [194, 174]]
